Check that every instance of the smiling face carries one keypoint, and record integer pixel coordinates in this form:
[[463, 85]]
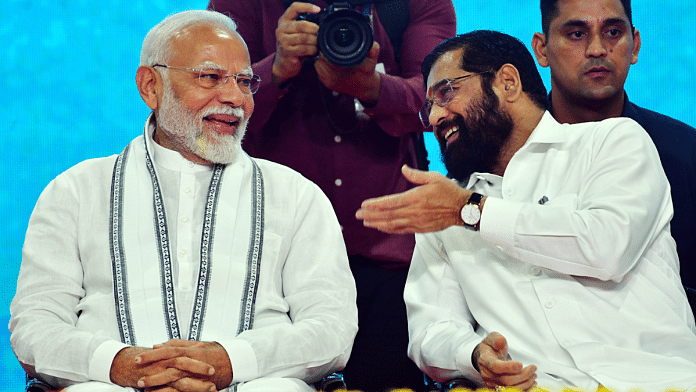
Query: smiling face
[[590, 47], [204, 125], [472, 128]]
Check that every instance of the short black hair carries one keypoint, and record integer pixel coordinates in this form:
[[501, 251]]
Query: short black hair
[[549, 11], [485, 51]]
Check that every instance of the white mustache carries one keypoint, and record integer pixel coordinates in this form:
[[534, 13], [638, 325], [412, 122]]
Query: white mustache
[[227, 110]]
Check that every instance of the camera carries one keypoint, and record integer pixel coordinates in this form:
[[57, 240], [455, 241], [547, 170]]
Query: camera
[[345, 35]]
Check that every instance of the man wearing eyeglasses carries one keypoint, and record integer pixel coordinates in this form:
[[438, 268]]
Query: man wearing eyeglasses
[[182, 264], [549, 260]]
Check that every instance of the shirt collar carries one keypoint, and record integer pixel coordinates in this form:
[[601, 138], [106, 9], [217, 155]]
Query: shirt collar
[[548, 131]]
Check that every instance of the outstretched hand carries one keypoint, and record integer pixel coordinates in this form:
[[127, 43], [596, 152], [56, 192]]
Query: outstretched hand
[[434, 205], [491, 358]]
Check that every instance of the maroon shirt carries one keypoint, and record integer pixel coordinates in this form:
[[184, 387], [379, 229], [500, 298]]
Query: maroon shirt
[[308, 128]]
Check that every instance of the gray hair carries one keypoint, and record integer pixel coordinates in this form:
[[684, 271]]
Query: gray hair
[[157, 43]]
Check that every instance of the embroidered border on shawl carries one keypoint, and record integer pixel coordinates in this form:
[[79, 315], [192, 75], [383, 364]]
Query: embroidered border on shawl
[[254, 254], [118, 262], [162, 232], [160, 223], [200, 303]]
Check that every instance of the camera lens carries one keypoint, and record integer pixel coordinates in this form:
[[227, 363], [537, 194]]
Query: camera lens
[[345, 38]]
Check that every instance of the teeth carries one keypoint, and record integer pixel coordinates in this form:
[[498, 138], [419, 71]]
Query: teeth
[[450, 132]]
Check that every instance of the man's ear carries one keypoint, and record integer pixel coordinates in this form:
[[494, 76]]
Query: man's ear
[[539, 47], [149, 85], [636, 46], [508, 83]]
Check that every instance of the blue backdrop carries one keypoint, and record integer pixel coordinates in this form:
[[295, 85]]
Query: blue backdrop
[[68, 80]]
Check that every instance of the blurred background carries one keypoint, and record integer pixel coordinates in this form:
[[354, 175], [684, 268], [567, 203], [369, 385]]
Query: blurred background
[[68, 93]]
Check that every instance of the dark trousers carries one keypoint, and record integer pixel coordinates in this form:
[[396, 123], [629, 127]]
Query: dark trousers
[[379, 361]]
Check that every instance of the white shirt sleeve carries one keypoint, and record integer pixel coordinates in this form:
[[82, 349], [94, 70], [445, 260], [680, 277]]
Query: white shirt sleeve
[[319, 291], [620, 199], [441, 327], [49, 289]]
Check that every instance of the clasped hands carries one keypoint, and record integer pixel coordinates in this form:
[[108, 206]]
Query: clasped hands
[[175, 366], [434, 205]]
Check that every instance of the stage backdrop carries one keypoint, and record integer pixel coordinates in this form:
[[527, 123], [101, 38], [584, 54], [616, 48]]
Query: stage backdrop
[[68, 93]]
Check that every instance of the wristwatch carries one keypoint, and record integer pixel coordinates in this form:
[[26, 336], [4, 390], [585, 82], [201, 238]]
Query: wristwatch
[[471, 214]]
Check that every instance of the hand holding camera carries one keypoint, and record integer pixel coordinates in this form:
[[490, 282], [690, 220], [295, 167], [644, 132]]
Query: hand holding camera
[[343, 36]]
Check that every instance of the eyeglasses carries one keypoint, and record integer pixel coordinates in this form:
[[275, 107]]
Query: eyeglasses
[[211, 78], [443, 92]]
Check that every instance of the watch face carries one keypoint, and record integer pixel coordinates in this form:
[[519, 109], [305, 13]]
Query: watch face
[[471, 214]]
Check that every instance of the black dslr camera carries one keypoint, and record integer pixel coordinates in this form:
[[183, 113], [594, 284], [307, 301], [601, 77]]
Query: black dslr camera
[[345, 35]]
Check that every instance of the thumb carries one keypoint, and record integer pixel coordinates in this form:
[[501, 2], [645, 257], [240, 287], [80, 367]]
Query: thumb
[[419, 177], [500, 345], [374, 51]]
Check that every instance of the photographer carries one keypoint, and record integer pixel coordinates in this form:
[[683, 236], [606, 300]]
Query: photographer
[[349, 130]]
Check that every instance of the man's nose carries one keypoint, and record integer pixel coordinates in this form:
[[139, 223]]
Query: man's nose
[[596, 46]]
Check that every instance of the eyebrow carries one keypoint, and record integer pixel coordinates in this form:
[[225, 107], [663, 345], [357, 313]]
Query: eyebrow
[[583, 23], [214, 65]]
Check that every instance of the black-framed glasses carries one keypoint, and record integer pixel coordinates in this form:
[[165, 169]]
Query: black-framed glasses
[[443, 92], [211, 78]]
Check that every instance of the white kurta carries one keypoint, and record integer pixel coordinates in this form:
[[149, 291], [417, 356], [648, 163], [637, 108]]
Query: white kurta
[[585, 286], [64, 314]]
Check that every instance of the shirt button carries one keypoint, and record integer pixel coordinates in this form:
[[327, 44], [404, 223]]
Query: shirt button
[[338, 182], [184, 219], [187, 190], [550, 304], [337, 139], [183, 251], [509, 192], [190, 164]]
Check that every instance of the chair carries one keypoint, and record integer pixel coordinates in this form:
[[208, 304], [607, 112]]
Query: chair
[[433, 385], [330, 383]]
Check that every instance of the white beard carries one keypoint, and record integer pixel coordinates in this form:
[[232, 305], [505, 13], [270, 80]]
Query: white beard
[[185, 128]]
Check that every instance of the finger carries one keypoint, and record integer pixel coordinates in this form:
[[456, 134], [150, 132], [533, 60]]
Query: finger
[[184, 368], [499, 367], [374, 51], [176, 357], [180, 343], [388, 202], [498, 343], [525, 377], [158, 354], [193, 385], [296, 9], [421, 177]]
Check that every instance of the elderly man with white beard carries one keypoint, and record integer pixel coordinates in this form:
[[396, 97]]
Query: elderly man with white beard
[[182, 264]]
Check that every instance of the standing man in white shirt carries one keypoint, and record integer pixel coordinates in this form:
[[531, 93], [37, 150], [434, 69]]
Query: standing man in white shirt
[[550, 262], [182, 264]]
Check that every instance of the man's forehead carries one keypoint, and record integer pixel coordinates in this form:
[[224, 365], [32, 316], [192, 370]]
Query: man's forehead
[[589, 12], [208, 44], [446, 67]]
